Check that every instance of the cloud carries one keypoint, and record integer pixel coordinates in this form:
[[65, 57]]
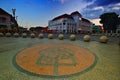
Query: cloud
[[61, 1], [87, 0], [30, 3], [103, 2], [116, 8], [94, 10], [98, 8], [90, 9], [113, 8], [118, 4], [92, 14], [96, 21]]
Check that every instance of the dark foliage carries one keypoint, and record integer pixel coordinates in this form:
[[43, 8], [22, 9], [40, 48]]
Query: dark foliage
[[110, 21]]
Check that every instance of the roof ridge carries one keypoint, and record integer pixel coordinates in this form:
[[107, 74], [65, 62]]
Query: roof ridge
[[2, 11]]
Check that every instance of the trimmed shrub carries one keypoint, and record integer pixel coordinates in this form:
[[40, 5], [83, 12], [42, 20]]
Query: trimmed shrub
[[24, 35], [72, 37], [32, 35], [1, 34], [8, 34], [16, 35], [41, 36], [86, 38], [103, 39], [61, 36], [50, 36]]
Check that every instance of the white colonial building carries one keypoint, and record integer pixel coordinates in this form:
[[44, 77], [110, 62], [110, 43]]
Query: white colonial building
[[70, 23]]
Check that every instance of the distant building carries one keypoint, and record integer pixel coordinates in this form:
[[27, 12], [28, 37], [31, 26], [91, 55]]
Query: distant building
[[118, 27], [38, 29], [22, 29], [70, 23], [7, 21]]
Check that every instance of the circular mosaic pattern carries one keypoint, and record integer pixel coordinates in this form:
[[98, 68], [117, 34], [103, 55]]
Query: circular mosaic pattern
[[55, 59]]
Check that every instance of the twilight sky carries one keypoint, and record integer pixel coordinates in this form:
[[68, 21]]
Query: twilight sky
[[38, 12]]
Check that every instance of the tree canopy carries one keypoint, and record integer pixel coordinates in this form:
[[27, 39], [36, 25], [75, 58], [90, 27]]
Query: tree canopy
[[96, 28], [110, 21]]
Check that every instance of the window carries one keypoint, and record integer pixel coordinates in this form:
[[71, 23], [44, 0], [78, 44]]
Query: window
[[63, 23]]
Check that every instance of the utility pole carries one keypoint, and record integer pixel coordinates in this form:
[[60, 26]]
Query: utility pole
[[16, 18], [13, 11]]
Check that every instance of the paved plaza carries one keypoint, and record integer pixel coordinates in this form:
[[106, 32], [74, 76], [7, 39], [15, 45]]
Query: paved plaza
[[54, 59]]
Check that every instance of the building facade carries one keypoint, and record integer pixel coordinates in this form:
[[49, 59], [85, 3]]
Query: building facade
[[72, 23], [7, 21]]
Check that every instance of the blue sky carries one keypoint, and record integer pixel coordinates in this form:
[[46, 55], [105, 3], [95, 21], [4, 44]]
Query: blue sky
[[37, 12]]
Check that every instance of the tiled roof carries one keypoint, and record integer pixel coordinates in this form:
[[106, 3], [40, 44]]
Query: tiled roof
[[67, 16], [63, 16], [85, 20], [76, 13], [4, 12]]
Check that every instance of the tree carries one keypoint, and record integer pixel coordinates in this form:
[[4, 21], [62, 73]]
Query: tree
[[109, 21], [96, 28], [32, 29]]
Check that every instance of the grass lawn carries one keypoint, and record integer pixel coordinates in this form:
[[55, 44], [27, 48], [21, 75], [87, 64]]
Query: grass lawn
[[106, 68]]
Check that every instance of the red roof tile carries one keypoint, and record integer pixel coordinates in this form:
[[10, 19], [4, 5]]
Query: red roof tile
[[62, 16], [76, 13]]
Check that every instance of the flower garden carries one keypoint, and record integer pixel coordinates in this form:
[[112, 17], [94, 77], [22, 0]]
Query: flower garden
[[53, 59]]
